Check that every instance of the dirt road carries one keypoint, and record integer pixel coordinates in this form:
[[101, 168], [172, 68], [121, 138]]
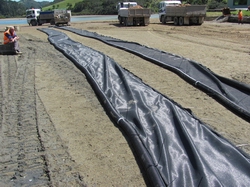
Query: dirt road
[[54, 131]]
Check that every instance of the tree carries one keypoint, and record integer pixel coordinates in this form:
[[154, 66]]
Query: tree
[[69, 6]]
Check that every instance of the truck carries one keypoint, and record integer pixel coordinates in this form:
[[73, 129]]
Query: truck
[[130, 13], [181, 14], [55, 17]]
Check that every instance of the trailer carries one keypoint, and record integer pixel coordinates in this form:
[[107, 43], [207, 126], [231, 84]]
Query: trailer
[[46, 17], [183, 14], [129, 13], [55, 17]]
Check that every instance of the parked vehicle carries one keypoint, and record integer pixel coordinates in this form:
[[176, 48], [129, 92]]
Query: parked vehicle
[[181, 14], [130, 13], [55, 17], [163, 4]]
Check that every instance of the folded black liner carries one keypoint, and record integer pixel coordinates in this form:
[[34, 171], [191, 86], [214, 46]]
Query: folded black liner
[[173, 147], [232, 94]]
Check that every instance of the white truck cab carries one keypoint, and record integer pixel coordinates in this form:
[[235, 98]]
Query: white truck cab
[[31, 15], [126, 5], [163, 4], [130, 13]]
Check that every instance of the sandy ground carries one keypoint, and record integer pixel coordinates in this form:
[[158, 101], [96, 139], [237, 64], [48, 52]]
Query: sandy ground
[[54, 131]]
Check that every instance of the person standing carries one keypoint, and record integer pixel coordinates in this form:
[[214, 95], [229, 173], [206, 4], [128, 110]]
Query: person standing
[[10, 38], [240, 17]]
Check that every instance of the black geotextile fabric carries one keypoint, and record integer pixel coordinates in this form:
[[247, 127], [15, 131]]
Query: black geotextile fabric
[[172, 147], [232, 94]]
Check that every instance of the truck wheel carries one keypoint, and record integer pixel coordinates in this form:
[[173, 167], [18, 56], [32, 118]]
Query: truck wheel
[[161, 20], [126, 21], [200, 21], [120, 20], [143, 23], [176, 21], [52, 22], [164, 20], [134, 22], [181, 21], [34, 23]]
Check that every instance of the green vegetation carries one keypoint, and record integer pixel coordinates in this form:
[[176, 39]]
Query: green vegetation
[[85, 7], [66, 4], [217, 14], [214, 14], [215, 4], [95, 7], [245, 13], [10, 9]]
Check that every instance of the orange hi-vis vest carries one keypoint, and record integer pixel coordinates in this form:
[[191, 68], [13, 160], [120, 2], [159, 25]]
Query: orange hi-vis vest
[[240, 15], [5, 38]]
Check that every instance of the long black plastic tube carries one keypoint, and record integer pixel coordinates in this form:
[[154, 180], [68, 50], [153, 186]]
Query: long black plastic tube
[[149, 170], [232, 94], [173, 147]]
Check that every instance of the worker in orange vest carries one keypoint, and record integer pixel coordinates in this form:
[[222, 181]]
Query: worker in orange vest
[[11, 38], [240, 17]]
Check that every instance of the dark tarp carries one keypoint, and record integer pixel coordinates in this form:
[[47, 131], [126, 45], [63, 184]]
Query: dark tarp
[[232, 94], [173, 148]]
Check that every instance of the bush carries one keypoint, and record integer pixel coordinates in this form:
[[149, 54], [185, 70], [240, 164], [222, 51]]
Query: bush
[[226, 11], [213, 4]]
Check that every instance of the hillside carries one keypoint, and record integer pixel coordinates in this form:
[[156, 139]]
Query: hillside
[[65, 4], [34, 4]]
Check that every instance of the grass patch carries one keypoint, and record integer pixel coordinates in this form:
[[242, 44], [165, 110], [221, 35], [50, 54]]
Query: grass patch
[[245, 12], [213, 14], [217, 14]]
